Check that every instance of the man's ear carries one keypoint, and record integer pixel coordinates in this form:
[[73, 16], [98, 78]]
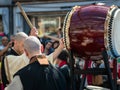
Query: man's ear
[[26, 52], [14, 41], [41, 48]]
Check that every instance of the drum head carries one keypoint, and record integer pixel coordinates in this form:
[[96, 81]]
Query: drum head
[[112, 32], [83, 30]]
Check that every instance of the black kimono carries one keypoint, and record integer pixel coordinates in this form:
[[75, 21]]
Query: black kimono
[[41, 77]]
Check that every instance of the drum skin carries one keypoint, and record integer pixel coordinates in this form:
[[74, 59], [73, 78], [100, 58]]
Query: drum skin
[[86, 30]]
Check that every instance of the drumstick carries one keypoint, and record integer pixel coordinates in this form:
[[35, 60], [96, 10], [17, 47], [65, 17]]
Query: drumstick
[[51, 37], [30, 24], [24, 14]]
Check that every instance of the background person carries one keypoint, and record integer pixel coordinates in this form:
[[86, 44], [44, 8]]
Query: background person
[[16, 50]]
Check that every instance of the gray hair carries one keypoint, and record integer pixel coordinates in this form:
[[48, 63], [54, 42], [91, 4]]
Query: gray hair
[[32, 44], [20, 36]]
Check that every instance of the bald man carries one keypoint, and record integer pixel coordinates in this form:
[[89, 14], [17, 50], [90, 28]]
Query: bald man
[[16, 50], [19, 39], [39, 74]]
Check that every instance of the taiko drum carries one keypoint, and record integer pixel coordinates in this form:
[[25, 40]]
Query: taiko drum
[[84, 30]]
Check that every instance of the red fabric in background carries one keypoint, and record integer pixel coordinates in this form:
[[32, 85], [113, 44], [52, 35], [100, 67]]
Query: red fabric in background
[[1, 86], [62, 63]]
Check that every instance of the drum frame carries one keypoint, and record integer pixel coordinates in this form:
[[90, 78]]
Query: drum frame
[[98, 71]]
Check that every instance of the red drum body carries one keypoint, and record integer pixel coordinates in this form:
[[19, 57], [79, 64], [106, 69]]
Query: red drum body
[[84, 30]]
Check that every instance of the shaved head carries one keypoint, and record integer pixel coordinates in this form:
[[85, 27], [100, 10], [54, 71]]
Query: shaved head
[[32, 45], [20, 36], [18, 42]]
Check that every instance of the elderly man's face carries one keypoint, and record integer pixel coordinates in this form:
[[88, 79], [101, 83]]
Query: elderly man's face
[[20, 47]]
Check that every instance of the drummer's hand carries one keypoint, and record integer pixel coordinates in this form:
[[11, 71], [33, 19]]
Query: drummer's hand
[[61, 43], [34, 32], [58, 50]]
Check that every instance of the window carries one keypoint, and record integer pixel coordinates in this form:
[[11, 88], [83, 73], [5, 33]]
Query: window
[[46, 22], [48, 25]]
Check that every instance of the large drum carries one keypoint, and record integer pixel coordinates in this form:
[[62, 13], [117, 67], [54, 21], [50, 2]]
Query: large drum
[[88, 30]]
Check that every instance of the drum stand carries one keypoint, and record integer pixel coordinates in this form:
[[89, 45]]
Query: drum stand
[[98, 71]]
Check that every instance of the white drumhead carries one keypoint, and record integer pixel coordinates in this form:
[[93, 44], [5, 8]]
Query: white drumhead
[[112, 37], [116, 33]]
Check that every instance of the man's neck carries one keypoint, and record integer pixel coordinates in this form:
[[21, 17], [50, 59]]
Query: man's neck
[[16, 51]]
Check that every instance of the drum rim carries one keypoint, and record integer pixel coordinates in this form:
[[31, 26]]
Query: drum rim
[[108, 31], [66, 27]]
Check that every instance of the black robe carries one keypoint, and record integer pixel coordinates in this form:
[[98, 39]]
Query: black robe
[[41, 77], [3, 72]]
